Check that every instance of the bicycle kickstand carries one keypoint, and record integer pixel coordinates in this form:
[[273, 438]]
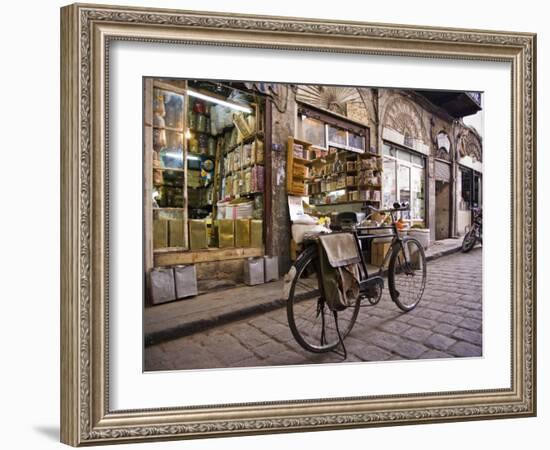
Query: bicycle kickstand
[[345, 353]]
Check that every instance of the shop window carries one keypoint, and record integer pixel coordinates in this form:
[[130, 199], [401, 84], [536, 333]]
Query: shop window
[[404, 155], [337, 137], [312, 130], [356, 141], [418, 160], [389, 183], [347, 140], [418, 201], [388, 150], [324, 130], [168, 190], [466, 195], [403, 181], [208, 175], [477, 190]]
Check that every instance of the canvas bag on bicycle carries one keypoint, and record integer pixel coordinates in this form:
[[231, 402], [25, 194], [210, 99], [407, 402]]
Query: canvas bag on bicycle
[[339, 266]]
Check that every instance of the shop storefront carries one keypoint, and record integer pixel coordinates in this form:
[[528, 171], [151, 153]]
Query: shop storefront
[[203, 177], [469, 189], [222, 159], [333, 155], [404, 181]]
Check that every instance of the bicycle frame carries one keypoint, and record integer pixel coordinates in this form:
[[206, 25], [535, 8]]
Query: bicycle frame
[[361, 234]]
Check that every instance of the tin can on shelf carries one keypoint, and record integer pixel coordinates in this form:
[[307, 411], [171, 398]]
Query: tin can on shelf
[[226, 233], [242, 233]]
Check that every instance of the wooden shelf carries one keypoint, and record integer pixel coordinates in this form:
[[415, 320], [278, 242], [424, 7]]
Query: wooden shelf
[[301, 160], [169, 257], [372, 187], [247, 194], [250, 138], [302, 142], [346, 202]]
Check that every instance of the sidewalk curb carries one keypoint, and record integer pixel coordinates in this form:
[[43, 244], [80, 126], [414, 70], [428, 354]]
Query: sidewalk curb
[[211, 322], [443, 253], [187, 329]]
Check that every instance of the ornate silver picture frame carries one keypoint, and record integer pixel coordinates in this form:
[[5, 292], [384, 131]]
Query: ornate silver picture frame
[[87, 32]]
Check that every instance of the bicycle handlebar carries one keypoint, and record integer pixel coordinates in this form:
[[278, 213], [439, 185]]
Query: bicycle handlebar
[[396, 208]]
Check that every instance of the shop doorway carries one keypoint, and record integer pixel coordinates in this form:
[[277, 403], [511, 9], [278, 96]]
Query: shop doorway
[[442, 209], [442, 200]]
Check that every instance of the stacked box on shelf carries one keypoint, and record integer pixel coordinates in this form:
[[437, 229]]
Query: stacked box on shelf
[[298, 151], [258, 151], [229, 186], [247, 181], [300, 170], [247, 157], [160, 233], [175, 233], [236, 159], [257, 179], [226, 165], [236, 184], [198, 234], [242, 232], [226, 233], [256, 233]]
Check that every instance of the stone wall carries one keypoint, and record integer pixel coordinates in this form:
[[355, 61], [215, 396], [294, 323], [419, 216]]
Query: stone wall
[[284, 115]]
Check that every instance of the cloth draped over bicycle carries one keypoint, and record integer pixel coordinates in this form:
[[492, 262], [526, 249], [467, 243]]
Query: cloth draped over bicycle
[[339, 266]]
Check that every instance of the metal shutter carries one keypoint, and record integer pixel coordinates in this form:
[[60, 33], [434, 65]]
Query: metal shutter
[[442, 171]]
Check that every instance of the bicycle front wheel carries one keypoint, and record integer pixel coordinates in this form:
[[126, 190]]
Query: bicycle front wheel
[[469, 241], [407, 274], [311, 321]]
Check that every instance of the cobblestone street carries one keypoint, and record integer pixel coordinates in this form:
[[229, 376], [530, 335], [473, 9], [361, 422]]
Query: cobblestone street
[[446, 323]]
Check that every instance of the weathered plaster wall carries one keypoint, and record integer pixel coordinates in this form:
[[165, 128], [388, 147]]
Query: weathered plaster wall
[[284, 115]]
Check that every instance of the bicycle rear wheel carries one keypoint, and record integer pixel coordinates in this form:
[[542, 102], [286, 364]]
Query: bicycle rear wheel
[[310, 320], [407, 274]]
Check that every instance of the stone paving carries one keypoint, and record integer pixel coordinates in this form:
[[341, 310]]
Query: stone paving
[[446, 323]]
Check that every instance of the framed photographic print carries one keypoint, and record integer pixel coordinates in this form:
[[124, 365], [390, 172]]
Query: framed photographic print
[[282, 224]]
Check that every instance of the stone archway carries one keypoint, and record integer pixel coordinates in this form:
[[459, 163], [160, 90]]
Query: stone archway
[[331, 98], [402, 116], [471, 146]]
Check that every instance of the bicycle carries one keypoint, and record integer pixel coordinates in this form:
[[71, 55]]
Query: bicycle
[[476, 232], [307, 307]]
